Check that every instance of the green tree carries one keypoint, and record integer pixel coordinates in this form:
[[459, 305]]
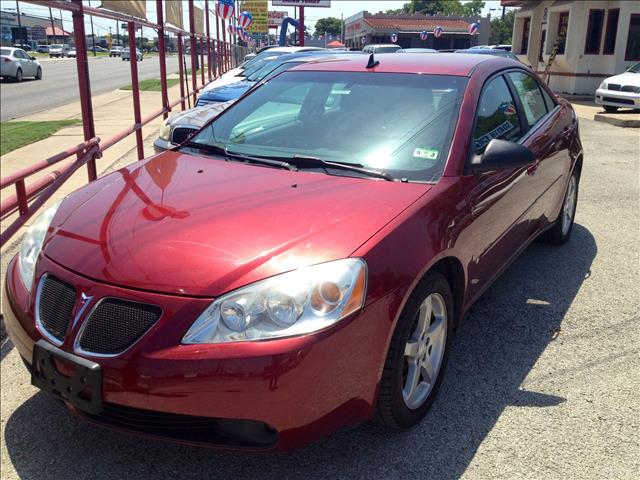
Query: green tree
[[473, 8], [328, 25], [502, 29]]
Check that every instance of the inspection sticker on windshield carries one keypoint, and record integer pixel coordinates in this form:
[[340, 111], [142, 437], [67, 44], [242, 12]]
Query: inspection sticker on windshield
[[428, 153], [340, 92]]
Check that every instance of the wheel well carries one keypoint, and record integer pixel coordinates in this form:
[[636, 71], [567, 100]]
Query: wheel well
[[452, 269]]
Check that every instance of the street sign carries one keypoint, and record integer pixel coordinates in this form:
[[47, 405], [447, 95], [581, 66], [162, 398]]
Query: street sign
[[301, 3], [275, 18], [259, 9]]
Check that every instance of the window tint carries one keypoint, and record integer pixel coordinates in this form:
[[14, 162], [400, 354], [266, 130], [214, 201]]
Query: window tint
[[530, 96], [524, 48], [497, 115], [594, 32], [563, 25], [551, 104], [612, 29], [632, 51]]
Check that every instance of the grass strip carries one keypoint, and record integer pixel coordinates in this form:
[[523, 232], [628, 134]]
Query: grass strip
[[153, 84], [14, 135]]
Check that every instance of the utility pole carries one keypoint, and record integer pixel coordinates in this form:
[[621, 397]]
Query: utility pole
[[53, 27], [93, 37], [22, 39]]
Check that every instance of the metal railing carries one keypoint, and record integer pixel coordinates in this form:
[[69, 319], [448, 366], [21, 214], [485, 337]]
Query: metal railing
[[29, 198]]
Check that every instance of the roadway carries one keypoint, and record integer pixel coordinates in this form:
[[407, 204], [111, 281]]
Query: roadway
[[59, 84]]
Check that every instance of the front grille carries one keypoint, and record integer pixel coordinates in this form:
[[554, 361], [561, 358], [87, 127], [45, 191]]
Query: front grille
[[180, 134], [188, 428], [630, 88], [55, 304], [626, 101], [613, 86], [114, 325]]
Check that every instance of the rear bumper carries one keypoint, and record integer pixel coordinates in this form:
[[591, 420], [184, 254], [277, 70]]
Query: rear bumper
[[302, 387]]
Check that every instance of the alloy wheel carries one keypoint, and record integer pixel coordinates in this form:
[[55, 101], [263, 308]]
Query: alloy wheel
[[424, 351]]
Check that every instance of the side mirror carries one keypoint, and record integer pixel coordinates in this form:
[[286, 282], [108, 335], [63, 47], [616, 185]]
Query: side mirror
[[32, 58], [502, 155]]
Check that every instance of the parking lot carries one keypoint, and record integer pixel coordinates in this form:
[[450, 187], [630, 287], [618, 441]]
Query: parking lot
[[542, 382]]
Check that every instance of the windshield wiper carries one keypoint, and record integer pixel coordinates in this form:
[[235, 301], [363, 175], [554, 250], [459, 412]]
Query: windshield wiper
[[306, 161], [216, 150]]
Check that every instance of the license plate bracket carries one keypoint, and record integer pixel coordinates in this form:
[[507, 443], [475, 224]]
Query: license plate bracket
[[82, 388]]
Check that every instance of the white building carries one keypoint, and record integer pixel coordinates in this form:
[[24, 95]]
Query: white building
[[592, 40]]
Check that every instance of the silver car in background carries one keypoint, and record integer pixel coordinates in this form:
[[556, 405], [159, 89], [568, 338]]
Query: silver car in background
[[15, 63], [59, 50], [126, 55]]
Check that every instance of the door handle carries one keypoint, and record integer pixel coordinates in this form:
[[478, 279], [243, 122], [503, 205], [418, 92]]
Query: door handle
[[532, 169]]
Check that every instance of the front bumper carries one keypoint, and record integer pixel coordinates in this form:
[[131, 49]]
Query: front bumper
[[616, 98], [301, 387]]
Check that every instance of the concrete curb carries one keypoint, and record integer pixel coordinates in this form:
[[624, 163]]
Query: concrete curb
[[618, 122]]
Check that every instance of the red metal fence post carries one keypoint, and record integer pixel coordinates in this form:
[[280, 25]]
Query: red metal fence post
[[218, 49], [133, 60], [194, 53], [224, 47], [181, 71], [202, 45], [301, 28], [84, 83], [163, 58], [206, 16]]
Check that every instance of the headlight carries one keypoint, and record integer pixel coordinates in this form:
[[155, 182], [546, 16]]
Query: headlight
[[165, 131], [294, 303], [32, 244], [603, 86]]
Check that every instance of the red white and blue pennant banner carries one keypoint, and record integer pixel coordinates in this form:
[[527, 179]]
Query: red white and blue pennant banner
[[226, 9], [394, 37], [363, 40], [474, 28], [438, 31], [423, 35]]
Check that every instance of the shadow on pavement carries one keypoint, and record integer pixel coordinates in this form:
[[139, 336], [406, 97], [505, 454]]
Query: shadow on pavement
[[500, 341]]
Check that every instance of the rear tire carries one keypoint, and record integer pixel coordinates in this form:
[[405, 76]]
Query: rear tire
[[610, 109], [18, 75], [420, 343], [560, 233]]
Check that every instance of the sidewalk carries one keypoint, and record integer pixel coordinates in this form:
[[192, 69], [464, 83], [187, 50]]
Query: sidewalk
[[113, 112]]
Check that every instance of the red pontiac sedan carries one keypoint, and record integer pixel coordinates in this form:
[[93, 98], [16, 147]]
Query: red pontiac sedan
[[303, 262]]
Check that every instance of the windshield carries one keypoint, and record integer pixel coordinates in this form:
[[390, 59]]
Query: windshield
[[261, 56], [389, 49], [56, 45], [398, 123], [634, 68]]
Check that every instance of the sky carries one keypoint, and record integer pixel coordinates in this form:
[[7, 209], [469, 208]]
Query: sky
[[338, 8]]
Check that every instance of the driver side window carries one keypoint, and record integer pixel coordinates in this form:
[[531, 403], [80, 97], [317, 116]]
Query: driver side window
[[497, 116]]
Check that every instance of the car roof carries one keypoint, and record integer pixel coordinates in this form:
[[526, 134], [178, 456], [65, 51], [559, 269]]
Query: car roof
[[483, 51], [293, 49], [383, 45], [441, 64]]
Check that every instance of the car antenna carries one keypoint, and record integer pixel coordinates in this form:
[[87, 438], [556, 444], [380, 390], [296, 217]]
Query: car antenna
[[372, 62]]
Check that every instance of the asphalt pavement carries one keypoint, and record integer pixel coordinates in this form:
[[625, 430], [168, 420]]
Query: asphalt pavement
[[542, 383], [59, 84]]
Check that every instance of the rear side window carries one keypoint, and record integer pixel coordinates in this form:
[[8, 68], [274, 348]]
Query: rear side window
[[530, 96], [497, 116], [5, 51]]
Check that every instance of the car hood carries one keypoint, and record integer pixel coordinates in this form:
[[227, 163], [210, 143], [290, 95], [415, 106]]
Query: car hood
[[226, 92], [232, 76], [191, 225], [199, 116], [626, 78]]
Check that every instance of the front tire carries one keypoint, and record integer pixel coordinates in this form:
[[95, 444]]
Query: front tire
[[39, 74], [563, 226], [417, 355], [610, 109], [18, 75]]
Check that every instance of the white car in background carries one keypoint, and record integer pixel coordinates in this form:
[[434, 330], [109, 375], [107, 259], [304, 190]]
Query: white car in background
[[126, 55], [620, 91], [15, 63]]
